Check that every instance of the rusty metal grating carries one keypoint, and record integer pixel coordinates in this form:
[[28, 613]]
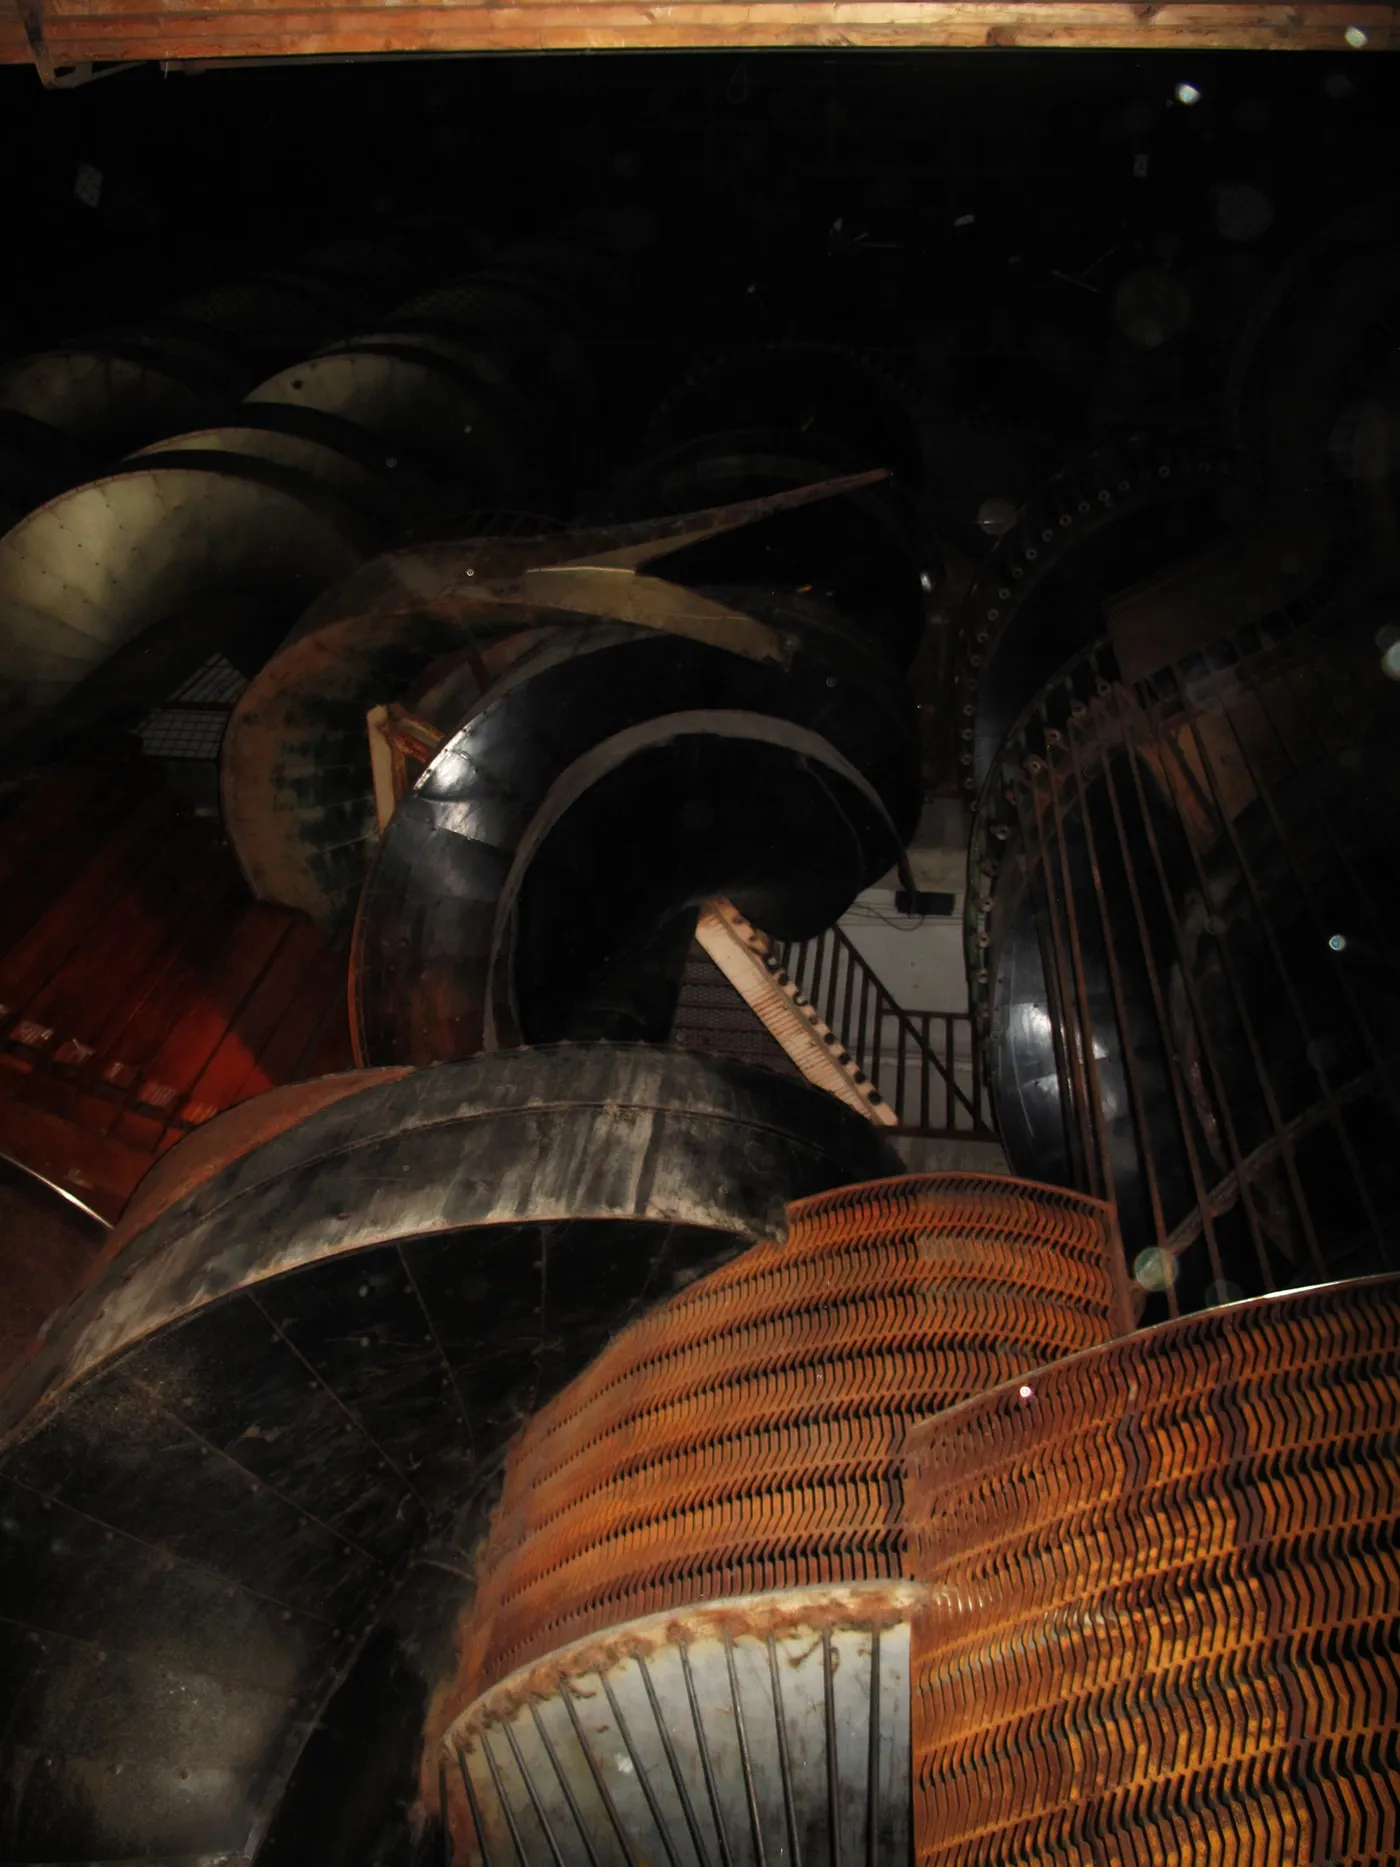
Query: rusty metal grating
[[746, 1436], [1162, 1619]]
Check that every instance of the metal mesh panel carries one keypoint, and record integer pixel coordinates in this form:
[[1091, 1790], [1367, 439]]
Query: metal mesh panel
[[711, 1016], [1163, 1618], [745, 1437]]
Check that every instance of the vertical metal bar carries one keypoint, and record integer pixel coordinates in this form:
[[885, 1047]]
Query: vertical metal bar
[[1082, 1126], [812, 993], [672, 1761], [1171, 1060], [833, 982], [1307, 892], [784, 1761], [949, 1108], [506, 1809], [565, 1785], [745, 1760], [1170, 759], [974, 1051], [473, 1807], [833, 1781], [872, 1813], [531, 1792], [862, 1060], [899, 1069], [1127, 1050], [1084, 1021], [707, 1768], [923, 1078], [1202, 1027], [599, 1781], [639, 1769], [844, 1033]]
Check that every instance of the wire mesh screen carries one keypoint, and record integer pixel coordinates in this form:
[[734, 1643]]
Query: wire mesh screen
[[1183, 955]]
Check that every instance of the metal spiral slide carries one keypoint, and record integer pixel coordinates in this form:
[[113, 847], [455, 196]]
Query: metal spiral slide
[[530, 1451]]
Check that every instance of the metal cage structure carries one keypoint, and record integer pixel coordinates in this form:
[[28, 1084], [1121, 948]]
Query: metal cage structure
[[1181, 939]]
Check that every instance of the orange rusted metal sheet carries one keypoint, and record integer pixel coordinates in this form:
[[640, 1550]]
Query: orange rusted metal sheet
[[746, 1436], [1162, 1596], [82, 31]]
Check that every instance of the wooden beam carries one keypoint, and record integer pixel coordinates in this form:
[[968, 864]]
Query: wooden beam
[[105, 30]]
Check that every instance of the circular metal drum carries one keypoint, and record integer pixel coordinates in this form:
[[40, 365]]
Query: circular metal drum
[[690, 1636], [1163, 1605], [318, 1325]]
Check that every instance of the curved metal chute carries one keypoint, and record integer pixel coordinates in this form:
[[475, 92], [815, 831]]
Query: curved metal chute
[[93, 568], [436, 412], [432, 933], [297, 785], [321, 449], [223, 1477], [112, 395], [36, 463]]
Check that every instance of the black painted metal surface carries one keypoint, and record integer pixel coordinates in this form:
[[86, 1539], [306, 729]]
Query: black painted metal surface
[[236, 1451], [433, 626], [611, 781], [1123, 513], [1182, 963]]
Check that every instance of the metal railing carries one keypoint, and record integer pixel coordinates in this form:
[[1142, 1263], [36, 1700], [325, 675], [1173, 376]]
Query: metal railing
[[924, 1063]]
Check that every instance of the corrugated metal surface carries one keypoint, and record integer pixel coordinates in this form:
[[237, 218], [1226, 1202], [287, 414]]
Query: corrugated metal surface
[[1163, 1597], [746, 1436]]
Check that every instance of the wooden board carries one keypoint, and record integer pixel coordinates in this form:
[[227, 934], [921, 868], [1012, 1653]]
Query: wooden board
[[81, 31], [142, 989]]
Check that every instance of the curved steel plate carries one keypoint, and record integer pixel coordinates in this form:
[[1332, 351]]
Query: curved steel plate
[[747, 1434], [95, 566], [295, 772], [300, 1366], [413, 403], [114, 396], [1163, 1596], [342, 459], [564, 1133], [429, 924]]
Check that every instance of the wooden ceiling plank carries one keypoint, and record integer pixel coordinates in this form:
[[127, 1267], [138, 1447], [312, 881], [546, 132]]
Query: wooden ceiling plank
[[76, 32]]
